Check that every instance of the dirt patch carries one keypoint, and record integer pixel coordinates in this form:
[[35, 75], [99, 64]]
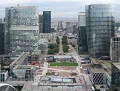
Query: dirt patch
[[64, 68], [64, 73]]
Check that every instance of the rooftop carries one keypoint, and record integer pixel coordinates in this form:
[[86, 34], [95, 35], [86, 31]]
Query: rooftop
[[117, 65], [20, 59], [94, 60], [23, 67], [3, 71], [99, 70], [62, 56], [36, 52], [64, 80]]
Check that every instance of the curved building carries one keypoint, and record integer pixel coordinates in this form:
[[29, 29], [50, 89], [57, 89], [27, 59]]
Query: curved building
[[6, 87]]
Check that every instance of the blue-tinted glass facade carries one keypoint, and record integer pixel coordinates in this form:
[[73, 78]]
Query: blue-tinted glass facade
[[100, 25], [46, 21], [1, 38], [82, 40]]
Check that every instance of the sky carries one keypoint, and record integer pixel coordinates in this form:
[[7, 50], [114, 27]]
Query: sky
[[59, 8]]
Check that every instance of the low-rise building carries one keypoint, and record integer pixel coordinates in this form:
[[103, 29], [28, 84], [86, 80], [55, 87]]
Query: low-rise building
[[3, 75], [98, 76]]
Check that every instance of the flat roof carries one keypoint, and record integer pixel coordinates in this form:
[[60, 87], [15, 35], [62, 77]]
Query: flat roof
[[20, 59], [98, 70], [94, 60], [117, 65], [36, 52], [23, 67], [62, 56], [65, 80]]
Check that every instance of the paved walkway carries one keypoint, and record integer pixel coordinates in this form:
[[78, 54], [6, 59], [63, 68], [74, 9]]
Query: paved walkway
[[45, 67], [60, 47]]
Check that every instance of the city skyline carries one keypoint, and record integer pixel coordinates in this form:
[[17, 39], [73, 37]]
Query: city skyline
[[58, 8]]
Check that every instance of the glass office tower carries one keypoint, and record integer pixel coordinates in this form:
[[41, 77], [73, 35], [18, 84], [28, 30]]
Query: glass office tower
[[21, 29], [2, 38], [100, 25], [46, 21], [82, 38]]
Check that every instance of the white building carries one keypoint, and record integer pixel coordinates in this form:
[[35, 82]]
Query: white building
[[48, 36], [4, 75]]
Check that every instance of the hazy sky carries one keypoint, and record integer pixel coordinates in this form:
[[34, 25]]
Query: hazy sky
[[59, 8]]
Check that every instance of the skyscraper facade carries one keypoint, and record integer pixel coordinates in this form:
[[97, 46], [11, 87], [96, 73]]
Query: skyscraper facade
[[21, 29], [115, 48], [2, 29], [100, 25], [82, 38], [46, 21], [40, 23]]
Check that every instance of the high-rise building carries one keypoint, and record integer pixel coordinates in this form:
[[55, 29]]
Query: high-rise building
[[115, 48], [82, 38], [2, 29], [40, 23], [21, 29], [100, 25], [74, 29], [46, 21]]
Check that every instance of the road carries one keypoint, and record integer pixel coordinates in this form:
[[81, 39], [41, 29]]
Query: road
[[60, 26]]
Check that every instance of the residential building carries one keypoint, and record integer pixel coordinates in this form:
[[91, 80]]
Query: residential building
[[40, 23], [82, 38], [100, 25], [2, 29], [115, 49], [46, 21], [21, 29]]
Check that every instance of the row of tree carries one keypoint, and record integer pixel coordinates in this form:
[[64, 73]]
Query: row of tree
[[65, 47], [57, 40], [53, 48], [64, 40]]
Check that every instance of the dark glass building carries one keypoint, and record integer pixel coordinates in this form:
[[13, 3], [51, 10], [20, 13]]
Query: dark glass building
[[82, 40], [115, 77], [2, 38], [100, 26], [46, 21]]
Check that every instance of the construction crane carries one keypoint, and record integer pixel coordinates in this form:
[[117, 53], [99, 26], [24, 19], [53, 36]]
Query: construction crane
[[36, 62]]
